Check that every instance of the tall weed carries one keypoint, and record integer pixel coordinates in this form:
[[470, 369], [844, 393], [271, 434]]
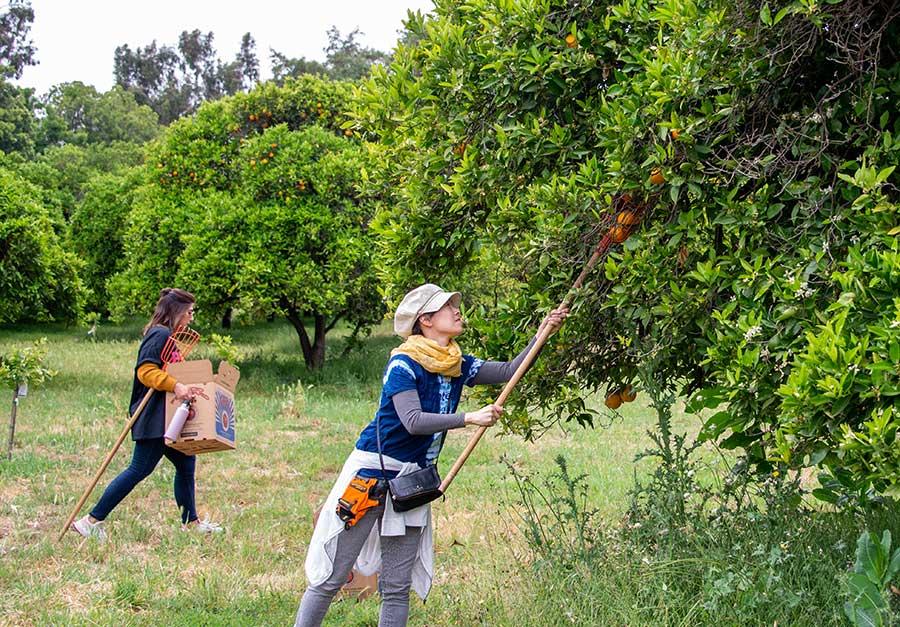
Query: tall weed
[[558, 524], [697, 545]]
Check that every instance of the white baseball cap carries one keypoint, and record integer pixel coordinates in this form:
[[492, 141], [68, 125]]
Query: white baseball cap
[[424, 299]]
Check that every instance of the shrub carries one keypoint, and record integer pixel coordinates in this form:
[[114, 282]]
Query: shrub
[[96, 231], [38, 279]]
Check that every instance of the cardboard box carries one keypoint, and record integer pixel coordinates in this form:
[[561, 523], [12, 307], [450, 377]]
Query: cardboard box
[[211, 428], [358, 585]]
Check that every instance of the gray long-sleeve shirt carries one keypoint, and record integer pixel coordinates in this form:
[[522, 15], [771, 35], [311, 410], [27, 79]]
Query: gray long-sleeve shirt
[[418, 422]]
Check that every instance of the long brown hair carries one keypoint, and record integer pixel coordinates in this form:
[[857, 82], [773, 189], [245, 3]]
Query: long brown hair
[[170, 307]]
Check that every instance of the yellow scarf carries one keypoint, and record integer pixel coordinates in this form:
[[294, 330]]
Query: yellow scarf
[[445, 360]]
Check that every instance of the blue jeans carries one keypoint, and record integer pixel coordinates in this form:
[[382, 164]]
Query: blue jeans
[[147, 454]]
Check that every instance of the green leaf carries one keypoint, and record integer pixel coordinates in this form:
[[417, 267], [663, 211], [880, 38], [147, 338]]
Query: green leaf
[[817, 456], [714, 427], [674, 191], [780, 15], [706, 398], [826, 495], [884, 174], [894, 566], [736, 440], [869, 558]]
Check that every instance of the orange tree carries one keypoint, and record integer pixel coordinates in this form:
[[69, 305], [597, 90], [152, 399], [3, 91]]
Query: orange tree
[[252, 205], [763, 281], [39, 279], [96, 229]]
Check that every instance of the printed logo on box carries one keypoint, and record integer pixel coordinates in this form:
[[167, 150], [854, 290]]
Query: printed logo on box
[[224, 416]]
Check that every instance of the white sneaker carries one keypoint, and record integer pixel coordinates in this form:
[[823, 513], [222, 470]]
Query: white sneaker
[[206, 526], [89, 529]]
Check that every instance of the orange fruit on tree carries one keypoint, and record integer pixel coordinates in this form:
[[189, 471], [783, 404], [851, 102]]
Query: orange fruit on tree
[[348, 132], [675, 133], [571, 40], [619, 233], [613, 401], [656, 177], [628, 394]]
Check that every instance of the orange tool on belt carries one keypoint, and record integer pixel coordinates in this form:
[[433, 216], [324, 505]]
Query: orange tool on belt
[[361, 495]]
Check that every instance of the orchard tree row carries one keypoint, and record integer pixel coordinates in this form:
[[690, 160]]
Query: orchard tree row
[[249, 199], [760, 141], [251, 203]]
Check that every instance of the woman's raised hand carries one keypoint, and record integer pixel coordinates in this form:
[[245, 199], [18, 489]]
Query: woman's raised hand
[[554, 319], [484, 417]]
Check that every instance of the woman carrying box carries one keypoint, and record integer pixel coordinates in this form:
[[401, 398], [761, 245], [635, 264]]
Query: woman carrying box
[[174, 309], [422, 384]]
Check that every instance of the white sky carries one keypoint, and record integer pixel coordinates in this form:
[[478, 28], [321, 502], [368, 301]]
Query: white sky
[[76, 39]]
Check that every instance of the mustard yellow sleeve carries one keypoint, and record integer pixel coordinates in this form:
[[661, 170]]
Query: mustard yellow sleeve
[[155, 377]]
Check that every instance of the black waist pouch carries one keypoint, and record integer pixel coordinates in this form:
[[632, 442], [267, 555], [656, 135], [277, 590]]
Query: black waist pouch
[[415, 489]]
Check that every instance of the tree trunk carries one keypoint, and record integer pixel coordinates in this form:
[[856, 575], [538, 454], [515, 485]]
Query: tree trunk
[[294, 318], [313, 350], [12, 424], [318, 347], [226, 318]]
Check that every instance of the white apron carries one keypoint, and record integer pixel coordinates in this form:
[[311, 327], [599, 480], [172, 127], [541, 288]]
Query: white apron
[[322, 546]]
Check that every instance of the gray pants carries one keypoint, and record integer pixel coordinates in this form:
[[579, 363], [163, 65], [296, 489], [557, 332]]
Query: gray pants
[[398, 555]]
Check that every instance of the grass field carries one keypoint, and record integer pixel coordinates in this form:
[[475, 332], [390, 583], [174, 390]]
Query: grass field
[[295, 429], [763, 562]]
